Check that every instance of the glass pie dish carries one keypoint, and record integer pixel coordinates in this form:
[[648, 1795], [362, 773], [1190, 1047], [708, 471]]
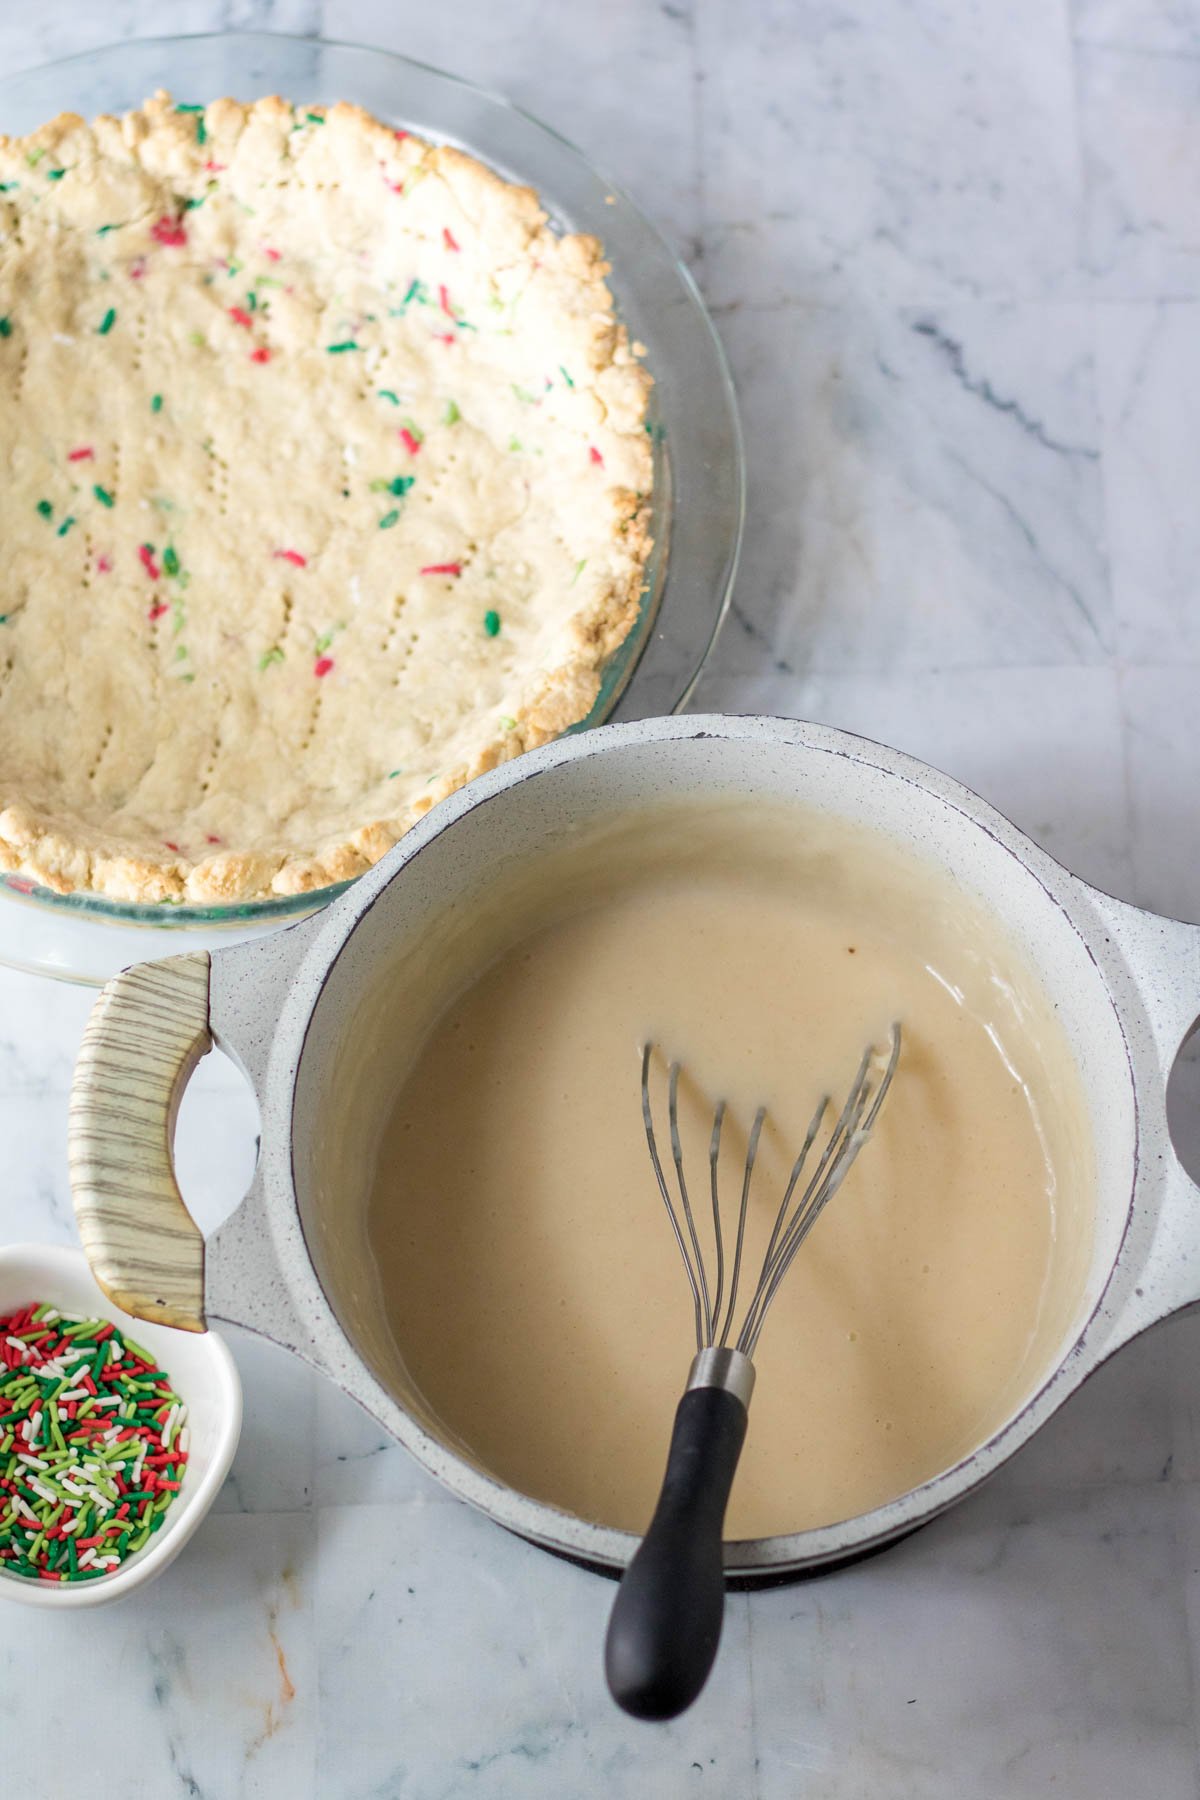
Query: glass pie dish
[[699, 478]]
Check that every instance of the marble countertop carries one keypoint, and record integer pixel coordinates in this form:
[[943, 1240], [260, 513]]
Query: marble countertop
[[954, 254]]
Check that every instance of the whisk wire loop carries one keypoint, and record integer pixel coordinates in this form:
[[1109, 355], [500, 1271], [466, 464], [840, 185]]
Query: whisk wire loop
[[794, 1219]]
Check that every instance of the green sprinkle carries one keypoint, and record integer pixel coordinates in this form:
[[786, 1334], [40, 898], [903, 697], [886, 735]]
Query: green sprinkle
[[394, 774], [170, 560], [451, 416], [55, 174], [524, 395], [192, 204], [491, 623], [5, 326], [400, 485], [415, 292], [274, 655], [315, 118], [103, 230], [107, 322], [102, 495], [190, 106], [384, 393], [6, 187], [156, 403], [181, 653], [197, 338], [34, 157], [508, 724], [579, 568], [565, 376], [201, 133], [388, 520], [252, 301], [515, 445], [45, 508], [337, 349]]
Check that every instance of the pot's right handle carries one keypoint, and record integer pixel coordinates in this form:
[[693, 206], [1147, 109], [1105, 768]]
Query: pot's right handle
[[146, 1033], [1161, 967]]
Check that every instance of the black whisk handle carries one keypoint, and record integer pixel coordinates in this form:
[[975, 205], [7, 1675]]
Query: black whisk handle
[[666, 1621]]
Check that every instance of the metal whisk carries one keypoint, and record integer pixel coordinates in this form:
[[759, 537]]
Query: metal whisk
[[666, 1622]]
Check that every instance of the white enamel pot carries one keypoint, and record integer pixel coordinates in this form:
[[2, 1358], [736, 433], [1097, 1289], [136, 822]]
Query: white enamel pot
[[1125, 985]]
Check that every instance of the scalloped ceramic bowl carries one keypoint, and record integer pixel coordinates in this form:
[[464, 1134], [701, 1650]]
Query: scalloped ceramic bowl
[[202, 1371]]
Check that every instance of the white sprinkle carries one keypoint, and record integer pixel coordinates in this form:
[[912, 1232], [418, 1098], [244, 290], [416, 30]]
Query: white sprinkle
[[73, 1394], [107, 1400], [61, 337], [25, 1510], [185, 1439], [19, 1344], [87, 1557], [35, 1462], [42, 1491]]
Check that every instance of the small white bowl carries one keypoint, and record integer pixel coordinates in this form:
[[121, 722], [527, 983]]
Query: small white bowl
[[201, 1371]]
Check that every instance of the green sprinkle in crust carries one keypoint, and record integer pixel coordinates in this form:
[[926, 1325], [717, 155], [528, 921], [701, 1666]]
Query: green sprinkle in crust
[[388, 520], [491, 623], [102, 495], [156, 403], [45, 508], [107, 322], [337, 349], [5, 326]]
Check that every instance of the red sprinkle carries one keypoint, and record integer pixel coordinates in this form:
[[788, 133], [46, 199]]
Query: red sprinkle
[[83, 455], [210, 839], [445, 337], [240, 316], [271, 255], [448, 240], [137, 268], [168, 231], [442, 569], [104, 565], [444, 302], [146, 558], [292, 556], [261, 355], [157, 611], [411, 444], [215, 168], [171, 846], [322, 666], [595, 455], [399, 136]]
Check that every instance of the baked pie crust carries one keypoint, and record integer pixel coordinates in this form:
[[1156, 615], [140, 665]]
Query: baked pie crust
[[326, 485]]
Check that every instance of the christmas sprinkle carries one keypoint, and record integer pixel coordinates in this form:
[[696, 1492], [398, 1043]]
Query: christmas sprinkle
[[107, 322], [292, 556], [595, 455], [448, 239], [66, 525], [102, 495], [337, 349], [451, 416], [156, 403], [85, 453], [146, 558], [449, 569], [384, 393], [93, 1445], [411, 437], [261, 355], [5, 326], [168, 231], [45, 508], [491, 623], [388, 520]]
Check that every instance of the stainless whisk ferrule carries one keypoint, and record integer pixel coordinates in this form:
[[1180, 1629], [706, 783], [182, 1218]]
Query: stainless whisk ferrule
[[722, 1367]]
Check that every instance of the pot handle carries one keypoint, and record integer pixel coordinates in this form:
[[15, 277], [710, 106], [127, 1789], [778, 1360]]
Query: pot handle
[[146, 1033]]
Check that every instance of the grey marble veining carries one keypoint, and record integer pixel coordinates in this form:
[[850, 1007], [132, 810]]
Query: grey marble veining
[[953, 251]]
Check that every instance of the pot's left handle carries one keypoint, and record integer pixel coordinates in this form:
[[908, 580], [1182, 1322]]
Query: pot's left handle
[[146, 1033]]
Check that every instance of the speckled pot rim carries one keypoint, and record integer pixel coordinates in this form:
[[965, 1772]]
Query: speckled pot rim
[[259, 1272]]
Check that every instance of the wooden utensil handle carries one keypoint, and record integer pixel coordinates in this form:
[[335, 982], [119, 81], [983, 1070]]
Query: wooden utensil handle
[[146, 1033]]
